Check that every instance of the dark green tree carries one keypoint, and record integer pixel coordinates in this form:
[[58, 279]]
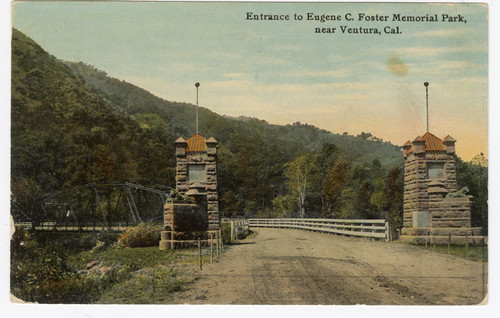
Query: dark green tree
[[335, 181], [231, 205], [394, 195], [474, 175]]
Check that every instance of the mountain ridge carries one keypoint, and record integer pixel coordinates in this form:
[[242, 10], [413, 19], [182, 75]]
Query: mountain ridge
[[177, 114]]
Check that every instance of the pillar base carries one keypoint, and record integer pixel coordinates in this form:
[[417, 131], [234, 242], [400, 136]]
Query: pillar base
[[172, 240], [442, 236]]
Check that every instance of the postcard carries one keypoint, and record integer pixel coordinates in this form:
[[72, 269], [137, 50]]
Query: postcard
[[249, 153]]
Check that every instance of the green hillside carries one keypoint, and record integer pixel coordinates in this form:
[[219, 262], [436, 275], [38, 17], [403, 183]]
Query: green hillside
[[64, 134]]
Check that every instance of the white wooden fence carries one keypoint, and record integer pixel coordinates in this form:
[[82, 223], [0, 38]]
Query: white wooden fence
[[365, 228]]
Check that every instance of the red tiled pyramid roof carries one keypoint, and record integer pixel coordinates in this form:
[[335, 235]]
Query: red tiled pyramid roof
[[431, 143], [196, 143]]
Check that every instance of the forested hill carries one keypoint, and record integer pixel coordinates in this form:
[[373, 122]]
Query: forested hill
[[64, 134], [73, 125], [143, 105]]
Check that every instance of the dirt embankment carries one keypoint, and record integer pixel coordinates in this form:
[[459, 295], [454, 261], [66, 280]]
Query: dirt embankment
[[300, 267]]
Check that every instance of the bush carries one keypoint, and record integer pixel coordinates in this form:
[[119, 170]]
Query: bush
[[21, 244], [39, 274], [142, 235], [43, 269], [48, 279], [105, 239], [226, 231]]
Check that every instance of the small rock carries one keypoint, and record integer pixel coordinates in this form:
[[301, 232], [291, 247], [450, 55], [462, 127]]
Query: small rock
[[91, 264]]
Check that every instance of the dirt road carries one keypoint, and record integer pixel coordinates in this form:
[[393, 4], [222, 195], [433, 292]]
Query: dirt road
[[300, 267]]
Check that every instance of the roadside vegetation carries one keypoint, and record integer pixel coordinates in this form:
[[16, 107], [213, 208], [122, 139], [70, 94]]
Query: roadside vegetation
[[96, 268], [477, 252]]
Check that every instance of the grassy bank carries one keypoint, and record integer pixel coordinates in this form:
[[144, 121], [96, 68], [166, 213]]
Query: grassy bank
[[477, 253], [94, 268], [148, 275], [474, 252]]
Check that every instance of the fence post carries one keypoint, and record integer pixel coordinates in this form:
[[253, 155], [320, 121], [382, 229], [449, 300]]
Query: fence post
[[221, 241], [211, 248], [153, 286], [199, 247], [449, 243], [466, 243], [232, 230], [387, 231], [217, 245]]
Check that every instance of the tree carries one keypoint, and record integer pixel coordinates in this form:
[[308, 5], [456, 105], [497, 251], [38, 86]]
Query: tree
[[327, 156], [365, 135], [358, 174], [362, 204], [347, 204], [335, 181], [378, 199], [323, 161], [480, 160], [284, 206], [299, 173], [394, 194], [26, 200], [252, 209], [474, 175], [230, 204]]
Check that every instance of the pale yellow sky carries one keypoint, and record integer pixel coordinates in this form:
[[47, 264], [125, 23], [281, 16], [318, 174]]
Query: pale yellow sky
[[282, 71]]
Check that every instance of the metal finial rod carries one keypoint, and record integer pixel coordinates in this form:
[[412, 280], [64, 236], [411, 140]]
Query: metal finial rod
[[197, 85], [426, 84]]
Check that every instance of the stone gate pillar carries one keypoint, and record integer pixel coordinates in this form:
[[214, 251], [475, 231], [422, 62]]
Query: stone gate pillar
[[434, 210], [197, 164]]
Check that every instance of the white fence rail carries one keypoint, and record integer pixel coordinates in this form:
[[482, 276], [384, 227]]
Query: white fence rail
[[365, 228]]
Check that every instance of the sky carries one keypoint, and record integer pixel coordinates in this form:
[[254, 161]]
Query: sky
[[284, 72]]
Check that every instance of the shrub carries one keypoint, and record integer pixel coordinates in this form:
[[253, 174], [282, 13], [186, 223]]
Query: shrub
[[39, 275], [105, 239], [42, 270], [226, 231], [142, 235], [22, 243]]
